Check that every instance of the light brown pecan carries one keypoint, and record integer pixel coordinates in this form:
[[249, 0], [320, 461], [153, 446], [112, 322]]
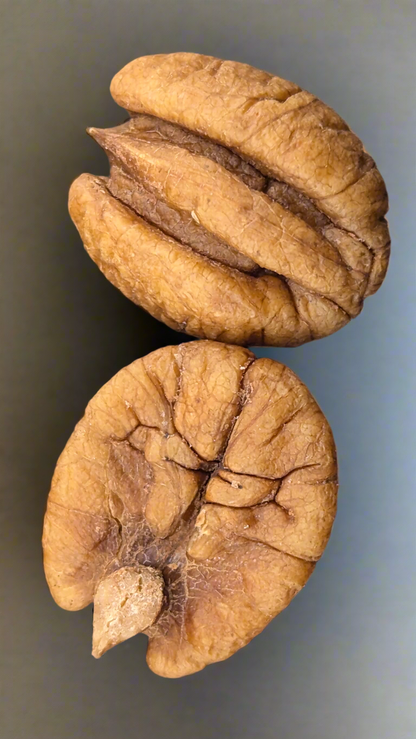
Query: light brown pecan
[[238, 207], [191, 503]]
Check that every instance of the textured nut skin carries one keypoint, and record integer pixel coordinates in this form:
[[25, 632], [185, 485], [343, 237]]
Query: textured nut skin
[[209, 478], [238, 208], [126, 602]]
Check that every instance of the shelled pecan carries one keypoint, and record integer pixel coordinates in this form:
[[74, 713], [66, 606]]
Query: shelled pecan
[[239, 207], [191, 503]]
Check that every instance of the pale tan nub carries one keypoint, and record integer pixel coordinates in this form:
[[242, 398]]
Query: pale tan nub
[[126, 602]]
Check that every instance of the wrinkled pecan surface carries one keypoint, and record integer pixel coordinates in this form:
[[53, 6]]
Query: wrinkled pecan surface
[[191, 503], [239, 207]]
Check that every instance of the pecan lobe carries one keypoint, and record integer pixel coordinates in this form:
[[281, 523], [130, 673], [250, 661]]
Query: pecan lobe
[[191, 503], [259, 216]]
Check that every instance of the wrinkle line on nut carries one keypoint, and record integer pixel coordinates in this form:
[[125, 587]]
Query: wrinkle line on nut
[[248, 474], [251, 102], [244, 537], [281, 427], [269, 499], [260, 412], [109, 493], [242, 398], [295, 305], [78, 511], [208, 468], [367, 169], [318, 295]]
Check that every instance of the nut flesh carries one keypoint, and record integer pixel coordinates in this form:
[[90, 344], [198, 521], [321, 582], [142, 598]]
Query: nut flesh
[[209, 476], [238, 207]]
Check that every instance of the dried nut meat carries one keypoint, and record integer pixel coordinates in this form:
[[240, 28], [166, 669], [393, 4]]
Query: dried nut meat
[[191, 503], [238, 207]]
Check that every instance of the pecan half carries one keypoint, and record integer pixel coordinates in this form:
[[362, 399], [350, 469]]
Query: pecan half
[[238, 207], [191, 503]]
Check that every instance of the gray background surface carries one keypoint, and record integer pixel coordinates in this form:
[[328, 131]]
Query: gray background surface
[[340, 662]]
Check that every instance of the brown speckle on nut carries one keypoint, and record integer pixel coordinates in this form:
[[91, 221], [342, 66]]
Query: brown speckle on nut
[[239, 207], [191, 503]]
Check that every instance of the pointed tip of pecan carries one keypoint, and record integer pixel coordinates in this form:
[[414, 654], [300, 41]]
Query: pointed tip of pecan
[[98, 134]]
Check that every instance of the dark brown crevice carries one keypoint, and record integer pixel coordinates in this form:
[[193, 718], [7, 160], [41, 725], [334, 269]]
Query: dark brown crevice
[[298, 468], [242, 399], [306, 209], [151, 128], [208, 467], [268, 498], [171, 405], [248, 474], [310, 210], [258, 272], [300, 205], [186, 524], [174, 223], [175, 549], [275, 479], [213, 464]]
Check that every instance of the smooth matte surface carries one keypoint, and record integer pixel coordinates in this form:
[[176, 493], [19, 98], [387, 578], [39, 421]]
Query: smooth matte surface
[[340, 662]]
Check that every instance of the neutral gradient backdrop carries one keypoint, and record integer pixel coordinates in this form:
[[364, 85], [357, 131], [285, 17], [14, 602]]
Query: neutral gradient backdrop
[[340, 662]]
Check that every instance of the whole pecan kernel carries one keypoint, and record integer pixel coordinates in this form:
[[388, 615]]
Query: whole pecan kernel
[[191, 503], [238, 206]]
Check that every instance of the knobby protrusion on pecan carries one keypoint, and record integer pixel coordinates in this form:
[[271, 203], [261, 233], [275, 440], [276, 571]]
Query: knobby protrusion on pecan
[[126, 602]]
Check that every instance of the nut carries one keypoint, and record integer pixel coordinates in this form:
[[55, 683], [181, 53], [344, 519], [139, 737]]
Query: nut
[[239, 207], [191, 503]]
